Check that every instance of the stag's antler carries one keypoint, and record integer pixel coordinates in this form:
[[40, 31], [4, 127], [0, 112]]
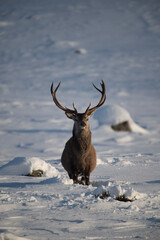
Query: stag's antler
[[67, 110], [89, 110]]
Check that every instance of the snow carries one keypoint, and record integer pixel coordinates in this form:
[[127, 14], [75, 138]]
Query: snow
[[23, 166], [117, 41], [114, 114]]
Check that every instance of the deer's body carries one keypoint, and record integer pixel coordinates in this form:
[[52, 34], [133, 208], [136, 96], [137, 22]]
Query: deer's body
[[79, 155]]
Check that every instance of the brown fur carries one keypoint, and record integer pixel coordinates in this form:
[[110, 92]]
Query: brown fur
[[79, 155]]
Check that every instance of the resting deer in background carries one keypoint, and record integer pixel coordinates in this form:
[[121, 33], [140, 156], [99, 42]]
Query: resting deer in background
[[79, 155]]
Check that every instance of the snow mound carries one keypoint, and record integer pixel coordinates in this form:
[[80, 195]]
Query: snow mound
[[81, 51], [100, 162], [24, 166], [115, 190], [114, 114], [5, 236]]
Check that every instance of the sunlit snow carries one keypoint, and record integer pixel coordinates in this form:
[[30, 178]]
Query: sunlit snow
[[79, 42]]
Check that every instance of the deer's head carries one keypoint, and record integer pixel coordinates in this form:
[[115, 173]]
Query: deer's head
[[80, 119]]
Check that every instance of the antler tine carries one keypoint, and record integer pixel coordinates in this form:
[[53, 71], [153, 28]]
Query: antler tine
[[54, 97], [75, 108], [102, 100], [53, 93], [96, 87], [88, 108]]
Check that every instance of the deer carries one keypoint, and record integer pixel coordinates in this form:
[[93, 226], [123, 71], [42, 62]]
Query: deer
[[79, 155]]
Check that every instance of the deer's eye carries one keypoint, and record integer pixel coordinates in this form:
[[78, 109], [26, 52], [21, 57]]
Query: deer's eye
[[75, 117]]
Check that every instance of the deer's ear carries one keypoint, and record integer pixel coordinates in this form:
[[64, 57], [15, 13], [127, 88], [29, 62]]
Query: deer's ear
[[72, 116]]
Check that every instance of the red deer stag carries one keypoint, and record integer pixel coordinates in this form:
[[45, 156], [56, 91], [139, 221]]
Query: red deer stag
[[79, 155]]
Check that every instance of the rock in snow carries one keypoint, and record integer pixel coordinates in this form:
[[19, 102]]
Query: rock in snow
[[118, 118], [25, 166]]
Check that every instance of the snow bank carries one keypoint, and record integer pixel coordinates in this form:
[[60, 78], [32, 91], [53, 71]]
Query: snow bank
[[5, 236], [100, 162], [81, 51], [115, 190], [24, 166], [114, 114]]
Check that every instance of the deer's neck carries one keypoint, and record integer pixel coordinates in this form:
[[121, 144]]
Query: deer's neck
[[82, 140]]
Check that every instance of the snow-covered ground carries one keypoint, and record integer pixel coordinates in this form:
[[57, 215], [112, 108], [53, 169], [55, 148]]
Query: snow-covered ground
[[79, 42]]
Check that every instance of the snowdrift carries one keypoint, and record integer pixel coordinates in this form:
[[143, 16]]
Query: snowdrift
[[10, 236], [114, 114], [115, 189], [23, 166]]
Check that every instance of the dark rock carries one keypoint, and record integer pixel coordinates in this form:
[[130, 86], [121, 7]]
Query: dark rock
[[124, 126], [78, 51], [35, 173], [123, 198], [103, 195]]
